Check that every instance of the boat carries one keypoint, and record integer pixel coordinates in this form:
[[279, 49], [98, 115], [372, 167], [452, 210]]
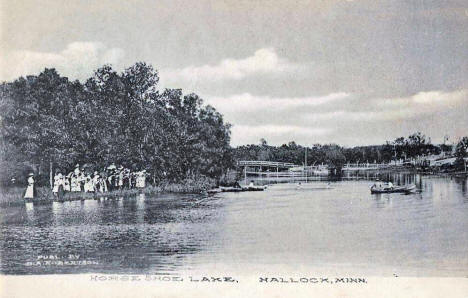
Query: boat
[[394, 189], [214, 190], [230, 189], [253, 188], [236, 189]]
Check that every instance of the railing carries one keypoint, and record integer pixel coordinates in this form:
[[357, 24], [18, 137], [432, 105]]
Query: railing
[[274, 164], [365, 166], [283, 174], [261, 163]]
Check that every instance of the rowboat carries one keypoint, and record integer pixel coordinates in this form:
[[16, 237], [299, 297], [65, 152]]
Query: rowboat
[[236, 189], [214, 190], [402, 189], [231, 189], [253, 188]]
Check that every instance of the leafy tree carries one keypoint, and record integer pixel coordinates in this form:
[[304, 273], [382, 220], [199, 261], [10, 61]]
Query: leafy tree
[[461, 152], [112, 117]]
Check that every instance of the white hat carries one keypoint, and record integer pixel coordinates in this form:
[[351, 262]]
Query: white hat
[[31, 174]]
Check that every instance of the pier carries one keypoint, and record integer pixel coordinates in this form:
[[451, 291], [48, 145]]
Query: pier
[[273, 170]]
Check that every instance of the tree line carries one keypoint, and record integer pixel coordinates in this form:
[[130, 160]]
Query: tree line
[[335, 156], [49, 121]]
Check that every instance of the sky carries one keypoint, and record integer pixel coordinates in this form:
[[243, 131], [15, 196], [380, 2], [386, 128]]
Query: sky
[[351, 72]]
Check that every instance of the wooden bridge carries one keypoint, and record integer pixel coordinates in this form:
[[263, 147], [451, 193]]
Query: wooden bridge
[[266, 164], [260, 165], [271, 170]]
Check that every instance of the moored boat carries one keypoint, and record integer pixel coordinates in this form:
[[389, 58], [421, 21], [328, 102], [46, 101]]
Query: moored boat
[[393, 189], [214, 190], [230, 189], [237, 189], [253, 188]]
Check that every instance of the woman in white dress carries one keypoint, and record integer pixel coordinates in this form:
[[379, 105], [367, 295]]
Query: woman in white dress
[[141, 179], [88, 184], [57, 182], [120, 178], [30, 191], [58, 189], [75, 180], [96, 184]]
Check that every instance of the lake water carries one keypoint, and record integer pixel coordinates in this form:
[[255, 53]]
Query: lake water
[[341, 230]]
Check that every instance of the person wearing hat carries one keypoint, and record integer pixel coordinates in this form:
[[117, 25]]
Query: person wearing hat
[[85, 181], [141, 179], [82, 178], [77, 169], [120, 178], [96, 181], [111, 177], [66, 182], [138, 181], [58, 189], [75, 179], [103, 180], [30, 190], [133, 179], [126, 178]]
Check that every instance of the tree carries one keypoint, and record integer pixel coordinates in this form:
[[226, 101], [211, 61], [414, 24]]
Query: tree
[[461, 153], [334, 157], [113, 117]]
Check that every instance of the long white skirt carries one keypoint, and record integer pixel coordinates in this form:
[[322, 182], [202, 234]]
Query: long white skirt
[[56, 186], [75, 185], [29, 192], [66, 186], [89, 186], [140, 182]]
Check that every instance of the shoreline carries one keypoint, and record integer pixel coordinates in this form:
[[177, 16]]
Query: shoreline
[[14, 195]]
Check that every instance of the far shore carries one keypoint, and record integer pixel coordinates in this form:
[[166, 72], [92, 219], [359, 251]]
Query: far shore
[[13, 195]]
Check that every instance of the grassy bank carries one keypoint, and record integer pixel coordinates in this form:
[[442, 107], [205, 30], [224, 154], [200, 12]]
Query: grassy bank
[[14, 195]]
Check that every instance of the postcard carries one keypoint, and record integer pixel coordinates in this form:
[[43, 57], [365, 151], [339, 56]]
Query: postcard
[[238, 148]]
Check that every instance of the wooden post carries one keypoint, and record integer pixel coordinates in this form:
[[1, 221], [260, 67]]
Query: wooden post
[[50, 176], [245, 174]]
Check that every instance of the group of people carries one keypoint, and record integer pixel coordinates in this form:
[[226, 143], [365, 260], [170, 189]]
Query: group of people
[[81, 180], [379, 185]]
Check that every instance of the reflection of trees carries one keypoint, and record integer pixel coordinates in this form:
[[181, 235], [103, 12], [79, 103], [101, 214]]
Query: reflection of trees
[[155, 237], [131, 235], [463, 183]]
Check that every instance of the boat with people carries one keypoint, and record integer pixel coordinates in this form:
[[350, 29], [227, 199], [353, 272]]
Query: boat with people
[[389, 188], [243, 188]]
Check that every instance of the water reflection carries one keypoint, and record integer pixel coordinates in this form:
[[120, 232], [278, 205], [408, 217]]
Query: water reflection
[[123, 235], [312, 227]]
